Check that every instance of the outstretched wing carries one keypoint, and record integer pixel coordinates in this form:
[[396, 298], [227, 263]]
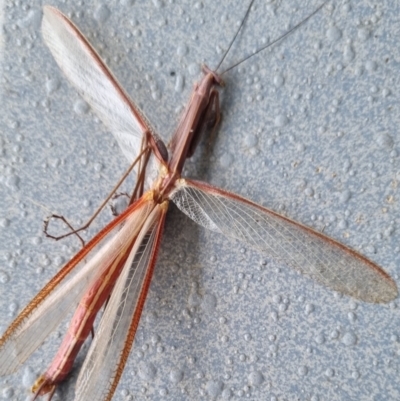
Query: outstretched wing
[[308, 251], [109, 351], [63, 292], [95, 83]]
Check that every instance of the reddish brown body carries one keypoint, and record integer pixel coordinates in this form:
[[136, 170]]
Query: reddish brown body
[[80, 327], [182, 144]]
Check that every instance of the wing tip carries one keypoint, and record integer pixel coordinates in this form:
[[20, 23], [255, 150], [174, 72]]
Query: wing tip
[[49, 11], [382, 293], [52, 16], [392, 292]]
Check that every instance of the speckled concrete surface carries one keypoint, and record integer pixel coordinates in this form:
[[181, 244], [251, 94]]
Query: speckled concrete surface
[[310, 129]]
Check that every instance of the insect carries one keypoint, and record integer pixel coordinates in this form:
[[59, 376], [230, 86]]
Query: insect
[[122, 268]]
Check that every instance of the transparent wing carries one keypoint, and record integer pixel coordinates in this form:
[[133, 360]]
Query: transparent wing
[[95, 83], [62, 294], [308, 251], [113, 339]]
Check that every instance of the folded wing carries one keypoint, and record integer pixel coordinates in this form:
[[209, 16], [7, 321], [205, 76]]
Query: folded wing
[[113, 339], [62, 294]]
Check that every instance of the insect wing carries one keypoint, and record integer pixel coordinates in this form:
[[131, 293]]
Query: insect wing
[[308, 251], [113, 339], [95, 83], [62, 294]]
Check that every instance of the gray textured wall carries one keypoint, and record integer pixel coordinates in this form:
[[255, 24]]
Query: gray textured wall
[[310, 128]]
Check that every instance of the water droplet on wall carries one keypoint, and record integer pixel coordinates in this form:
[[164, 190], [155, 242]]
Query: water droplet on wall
[[102, 13]]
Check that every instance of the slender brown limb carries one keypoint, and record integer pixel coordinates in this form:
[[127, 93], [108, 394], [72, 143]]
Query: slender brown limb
[[210, 120], [139, 187], [114, 210], [106, 304], [74, 231], [45, 386], [51, 393], [104, 308], [36, 395], [62, 218], [215, 117]]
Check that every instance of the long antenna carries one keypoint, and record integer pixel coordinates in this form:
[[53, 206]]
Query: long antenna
[[236, 34], [269, 44]]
